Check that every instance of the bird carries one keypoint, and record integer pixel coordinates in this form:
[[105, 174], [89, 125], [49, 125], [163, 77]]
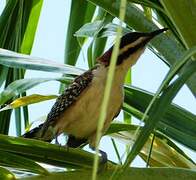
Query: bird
[[76, 111]]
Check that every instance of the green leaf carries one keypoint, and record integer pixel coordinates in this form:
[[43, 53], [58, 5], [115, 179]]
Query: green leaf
[[20, 163], [5, 22], [158, 110], [85, 11], [127, 116], [153, 4], [99, 29], [170, 75], [23, 85], [16, 60], [90, 55], [169, 48], [99, 44], [33, 19], [184, 22], [6, 174], [131, 173], [47, 153], [15, 32], [90, 29], [118, 127], [164, 151], [177, 123], [3, 72]]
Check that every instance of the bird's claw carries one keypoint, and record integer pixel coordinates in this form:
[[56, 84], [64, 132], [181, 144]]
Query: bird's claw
[[104, 157]]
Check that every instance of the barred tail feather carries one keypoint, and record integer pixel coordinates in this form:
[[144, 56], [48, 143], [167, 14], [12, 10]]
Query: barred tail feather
[[36, 134]]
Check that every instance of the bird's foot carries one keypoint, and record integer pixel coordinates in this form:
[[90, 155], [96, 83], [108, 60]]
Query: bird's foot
[[104, 158], [56, 141], [103, 162]]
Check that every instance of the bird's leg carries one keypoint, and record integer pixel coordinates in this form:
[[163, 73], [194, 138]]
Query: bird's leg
[[66, 145], [92, 145], [56, 140], [54, 135]]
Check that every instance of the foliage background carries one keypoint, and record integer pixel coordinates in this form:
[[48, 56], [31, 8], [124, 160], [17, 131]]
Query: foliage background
[[50, 25]]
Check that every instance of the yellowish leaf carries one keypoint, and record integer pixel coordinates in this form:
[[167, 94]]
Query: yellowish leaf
[[26, 100], [162, 155]]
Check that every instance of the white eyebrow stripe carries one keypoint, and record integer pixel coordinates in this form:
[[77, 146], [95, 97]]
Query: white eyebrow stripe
[[135, 43]]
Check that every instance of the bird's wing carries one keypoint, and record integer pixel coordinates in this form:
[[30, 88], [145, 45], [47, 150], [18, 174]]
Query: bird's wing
[[67, 98]]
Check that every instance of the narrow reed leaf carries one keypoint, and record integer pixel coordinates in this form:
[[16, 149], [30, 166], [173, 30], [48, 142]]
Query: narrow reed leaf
[[21, 163], [6, 174], [108, 87], [22, 85], [158, 110], [16, 60]]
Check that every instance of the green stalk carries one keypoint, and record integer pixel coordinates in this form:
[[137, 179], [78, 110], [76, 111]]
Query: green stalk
[[116, 150], [107, 91]]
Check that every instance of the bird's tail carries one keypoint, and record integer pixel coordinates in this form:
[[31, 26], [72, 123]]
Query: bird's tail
[[34, 133]]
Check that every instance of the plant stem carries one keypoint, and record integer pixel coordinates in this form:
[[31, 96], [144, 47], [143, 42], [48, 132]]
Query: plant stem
[[107, 91]]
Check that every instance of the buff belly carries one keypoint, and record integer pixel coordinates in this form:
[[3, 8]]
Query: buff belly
[[80, 120]]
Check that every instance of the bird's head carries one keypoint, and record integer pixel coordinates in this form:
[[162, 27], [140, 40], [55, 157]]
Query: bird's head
[[132, 46]]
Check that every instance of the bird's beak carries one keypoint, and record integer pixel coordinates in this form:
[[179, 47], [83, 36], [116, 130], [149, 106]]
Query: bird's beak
[[151, 35], [155, 33]]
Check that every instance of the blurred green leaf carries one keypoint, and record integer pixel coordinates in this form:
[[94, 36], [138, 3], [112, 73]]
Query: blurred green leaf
[[184, 22], [131, 173], [149, 3], [20, 163], [6, 174], [5, 20], [46, 153]]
